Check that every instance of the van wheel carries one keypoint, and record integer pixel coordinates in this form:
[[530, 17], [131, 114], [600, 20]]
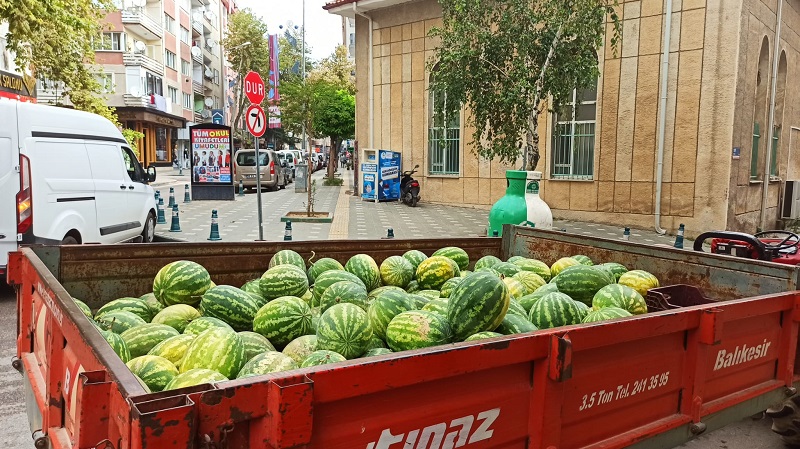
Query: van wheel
[[149, 231], [69, 240]]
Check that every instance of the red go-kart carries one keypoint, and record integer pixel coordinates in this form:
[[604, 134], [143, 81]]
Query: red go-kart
[[772, 246]]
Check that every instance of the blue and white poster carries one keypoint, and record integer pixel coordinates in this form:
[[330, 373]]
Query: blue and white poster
[[389, 175], [368, 190]]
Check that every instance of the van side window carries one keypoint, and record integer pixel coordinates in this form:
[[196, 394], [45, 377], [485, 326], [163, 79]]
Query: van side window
[[132, 166]]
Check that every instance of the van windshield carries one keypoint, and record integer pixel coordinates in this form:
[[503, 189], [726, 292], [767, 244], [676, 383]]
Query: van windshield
[[249, 159]]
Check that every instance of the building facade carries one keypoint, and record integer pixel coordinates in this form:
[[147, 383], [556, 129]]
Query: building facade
[[600, 163]]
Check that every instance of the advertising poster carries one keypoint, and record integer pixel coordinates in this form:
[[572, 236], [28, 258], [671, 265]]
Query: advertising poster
[[211, 155], [389, 175], [369, 186]]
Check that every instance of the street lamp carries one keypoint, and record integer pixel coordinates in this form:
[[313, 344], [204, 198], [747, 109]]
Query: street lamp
[[303, 57]]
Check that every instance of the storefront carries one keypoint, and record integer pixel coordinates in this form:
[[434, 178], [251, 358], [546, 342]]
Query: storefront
[[159, 146], [17, 87]]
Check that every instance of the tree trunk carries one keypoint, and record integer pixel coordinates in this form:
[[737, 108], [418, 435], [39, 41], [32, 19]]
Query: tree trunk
[[310, 206], [531, 158], [333, 158]]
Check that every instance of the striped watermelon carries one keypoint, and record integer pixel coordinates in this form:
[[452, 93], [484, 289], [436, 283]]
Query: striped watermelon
[[377, 351], [583, 309], [621, 296], [156, 372], [204, 323], [254, 344], [581, 282], [639, 280], [328, 278], [287, 257], [483, 335], [455, 254], [119, 321], [177, 316], [583, 260], [413, 286], [430, 294], [617, 268], [437, 306], [141, 339], [365, 268], [553, 310], [268, 362], [374, 293], [343, 292], [489, 270], [84, 308], [514, 307], [486, 261], [117, 344], [419, 300], [375, 342], [464, 273], [321, 266], [535, 266], [415, 257], [144, 385], [253, 286], [612, 279], [181, 282], [283, 319], [152, 302], [344, 328], [218, 349], [300, 348], [133, 305], [230, 304], [448, 286], [434, 271], [515, 288], [193, 377], [173, 348], [397, 271], [283, 280], [606, 313], [513, 259], [515, 324], [322, 357], [530, 280], [417, 329], [561, 264], [385, 307], [506, 269], [479, 303]]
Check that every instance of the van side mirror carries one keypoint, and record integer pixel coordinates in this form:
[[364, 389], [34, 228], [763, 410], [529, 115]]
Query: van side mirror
[[416, 166], [151, 174]]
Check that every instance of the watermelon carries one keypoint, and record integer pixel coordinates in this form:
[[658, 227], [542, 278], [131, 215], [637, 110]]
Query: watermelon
[[84, 308], [321, 266], [583, 260], [477, 304], [268, 362], [515, 324], [553, 310], [561, 264], [193, 377], [617, 268], [397, 271], [119, 321], [611, 279], [344, 328], [283, 319], [133, 305], [204, 323], [513, 259], [322, 357], [530, 280], [218, 349], [437, 306], [377, 351], [173, 348], [177, 316], [515, 287], [253, 286], [141, 339], [486, 261], [413, 286], [375, 342], [514, 307], [415, 258], [287, 257], [316, 313], [328, 278], [483, 335], [365, 268], [117, 344], [506, 269], [434, 271], [621, 296], [156, 372], [581, 282], [456, 254], [283, 280], [152, 302], [417, 329], [606, 313], [144, 385], [430, 294], [343, 292], [300, 348], [181, 282], [464, 273], [254, 344], [639, 280], [230, 304], [374, 293], [535, 266], [583, 310], [448, 286], [419, 300], [489, 270], [385, 307]]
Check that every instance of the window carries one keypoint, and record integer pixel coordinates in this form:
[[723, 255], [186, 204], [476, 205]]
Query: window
[[444, 139], [186, 67], [109, 42], [573, 136], [186, 36], [760, 124], [216, 77], [106, 81], [170, 59], [153, 84], [169, 24], [187, 101], [173, 94]]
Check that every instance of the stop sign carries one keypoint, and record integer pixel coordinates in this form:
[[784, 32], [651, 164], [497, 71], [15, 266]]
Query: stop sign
[[254, 87]]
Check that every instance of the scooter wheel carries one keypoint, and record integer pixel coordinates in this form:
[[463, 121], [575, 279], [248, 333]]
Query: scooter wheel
[[414, 201]]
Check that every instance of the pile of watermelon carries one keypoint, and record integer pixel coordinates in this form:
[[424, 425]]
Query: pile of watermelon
[[190, 331]]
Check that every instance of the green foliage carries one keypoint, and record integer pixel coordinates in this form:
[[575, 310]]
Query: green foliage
[[333, 182], [132, 136], [338, 70], [290, 62], [509, 61]]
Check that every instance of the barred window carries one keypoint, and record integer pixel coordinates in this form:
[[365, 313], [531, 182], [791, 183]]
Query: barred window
[[444, 138], [574, 135]]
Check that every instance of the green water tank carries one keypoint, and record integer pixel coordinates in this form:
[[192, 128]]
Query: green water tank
[[512, 208]]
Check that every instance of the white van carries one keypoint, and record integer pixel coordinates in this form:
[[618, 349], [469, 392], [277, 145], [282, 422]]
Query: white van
[[68, 177]]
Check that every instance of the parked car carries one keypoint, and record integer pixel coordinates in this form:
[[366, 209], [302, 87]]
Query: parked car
[[290, 159], [69, 177], [245, 169]]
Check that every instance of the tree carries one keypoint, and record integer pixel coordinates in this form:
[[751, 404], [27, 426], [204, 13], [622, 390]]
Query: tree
[[509, 61], [337, 69], [244, 27], [336, 119]]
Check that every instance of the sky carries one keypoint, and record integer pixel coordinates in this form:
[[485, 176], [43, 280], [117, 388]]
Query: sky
[[323, 30]]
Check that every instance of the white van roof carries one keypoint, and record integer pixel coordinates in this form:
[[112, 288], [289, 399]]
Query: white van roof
[[51, 121]]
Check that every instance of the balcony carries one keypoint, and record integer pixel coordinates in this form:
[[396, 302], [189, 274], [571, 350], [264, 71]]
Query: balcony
[[142, 24], [156, 102], [197, 87], [197, 27], [138, 59]]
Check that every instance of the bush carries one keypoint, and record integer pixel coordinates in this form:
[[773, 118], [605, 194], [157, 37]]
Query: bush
[[333, 182]]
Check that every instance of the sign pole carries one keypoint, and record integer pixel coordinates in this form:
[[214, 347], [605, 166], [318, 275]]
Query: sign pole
[[255, 92], [258, 191]]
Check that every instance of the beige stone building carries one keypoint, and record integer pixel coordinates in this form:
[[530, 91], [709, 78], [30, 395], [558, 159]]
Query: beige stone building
[[601, 164]]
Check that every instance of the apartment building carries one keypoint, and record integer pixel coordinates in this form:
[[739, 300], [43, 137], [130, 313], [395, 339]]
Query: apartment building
[[349, 36]]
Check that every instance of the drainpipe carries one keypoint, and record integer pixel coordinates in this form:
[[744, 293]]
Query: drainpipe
[[662, 121], [771, 133], [371, 79]]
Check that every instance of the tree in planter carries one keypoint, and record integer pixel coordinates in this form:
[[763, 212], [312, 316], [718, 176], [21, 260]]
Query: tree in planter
[[336, 118], [509, 61]]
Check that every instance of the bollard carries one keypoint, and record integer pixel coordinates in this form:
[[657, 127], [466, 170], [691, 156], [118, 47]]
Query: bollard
[[495, 233], [626, 234], [241, 188], [186, 197], [679, 238], [157, 195], [160, 206], [176, 223], [214, 227], [171, 197], [390, 233], [287, 232]]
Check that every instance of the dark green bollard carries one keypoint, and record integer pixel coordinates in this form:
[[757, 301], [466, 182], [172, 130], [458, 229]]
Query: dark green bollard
[[160, 206], [176, 223], [171, 197], [186, 197], [214, 227], [287, 232], [241, 188]]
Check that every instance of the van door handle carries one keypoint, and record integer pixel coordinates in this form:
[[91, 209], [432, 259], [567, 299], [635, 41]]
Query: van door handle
[[122, 187], [2, 236], [130, 187]]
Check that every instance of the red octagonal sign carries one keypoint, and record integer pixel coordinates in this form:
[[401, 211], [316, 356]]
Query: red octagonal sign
[[254, 87]]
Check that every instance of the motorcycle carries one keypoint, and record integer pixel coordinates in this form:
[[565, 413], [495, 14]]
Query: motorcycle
[[409, 188]]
